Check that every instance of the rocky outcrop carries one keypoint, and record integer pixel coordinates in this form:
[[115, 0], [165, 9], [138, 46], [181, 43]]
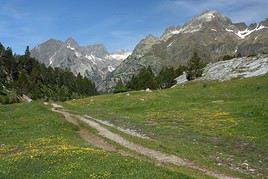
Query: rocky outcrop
[[243, 67]]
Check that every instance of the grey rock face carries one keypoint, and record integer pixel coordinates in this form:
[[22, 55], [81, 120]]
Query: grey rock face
[[210, 34], [92, 61], [243, 67], [182, 79]]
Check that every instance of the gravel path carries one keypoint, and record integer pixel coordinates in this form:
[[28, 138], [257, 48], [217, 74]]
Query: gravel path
[[154, 154]]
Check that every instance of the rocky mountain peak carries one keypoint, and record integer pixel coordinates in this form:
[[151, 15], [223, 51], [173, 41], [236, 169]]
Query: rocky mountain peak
[[145, 45], [171, 30], [209, 16], [51, 43], [72, 44], [70, 40], [51, 40], [98, 50], [150, 37], [208, 20]]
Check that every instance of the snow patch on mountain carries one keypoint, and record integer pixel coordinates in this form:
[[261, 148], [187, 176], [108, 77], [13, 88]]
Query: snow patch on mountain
[[52, 58], [120, 56], [111, 68], [78, 54], [245, 33], [229, 30], [70, 47], [169, 45], [192, 28], [174, 32]]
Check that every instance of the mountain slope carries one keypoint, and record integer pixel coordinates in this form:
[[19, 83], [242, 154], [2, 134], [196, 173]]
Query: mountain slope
[[211, 35], [92, 61]]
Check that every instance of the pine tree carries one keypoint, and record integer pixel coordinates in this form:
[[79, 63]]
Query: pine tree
[[195, 67], [25, 75], [120, 87], [2, 49], [165, 78], [27, 52], [144, 79]]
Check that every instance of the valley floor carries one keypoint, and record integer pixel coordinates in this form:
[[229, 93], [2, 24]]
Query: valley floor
[[200, 130]]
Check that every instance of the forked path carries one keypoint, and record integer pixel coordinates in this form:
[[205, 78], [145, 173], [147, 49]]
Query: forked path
[[154, 154]]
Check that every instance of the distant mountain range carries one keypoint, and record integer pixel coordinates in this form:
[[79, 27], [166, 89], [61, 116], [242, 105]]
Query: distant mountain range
[[92, 61], [211, 35]]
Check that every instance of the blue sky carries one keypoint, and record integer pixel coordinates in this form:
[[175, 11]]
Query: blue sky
[[119, 24]]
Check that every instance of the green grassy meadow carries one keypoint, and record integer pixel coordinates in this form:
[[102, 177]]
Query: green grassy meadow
[[37, 143], [220, 125]]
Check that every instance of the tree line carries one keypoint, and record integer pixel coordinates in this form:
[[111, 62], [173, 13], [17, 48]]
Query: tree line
[[22, 74], [165, 79]]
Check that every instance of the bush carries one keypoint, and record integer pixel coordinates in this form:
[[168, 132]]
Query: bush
[[227, 57], [120, 87]]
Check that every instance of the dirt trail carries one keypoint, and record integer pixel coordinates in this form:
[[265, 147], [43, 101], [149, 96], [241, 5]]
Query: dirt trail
[[100, 143], [154, 154], [88, 136]]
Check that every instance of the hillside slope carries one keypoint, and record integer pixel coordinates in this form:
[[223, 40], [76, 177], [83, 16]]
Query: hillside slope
[[220, 125]]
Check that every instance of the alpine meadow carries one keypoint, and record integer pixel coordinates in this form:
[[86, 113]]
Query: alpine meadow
[[134, 89]]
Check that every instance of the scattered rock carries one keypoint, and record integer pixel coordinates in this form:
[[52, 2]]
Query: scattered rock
[[45, 103], [56, 106], [218, 101], [181, 79], [251, 170], [26, 99], [245, 165], [148, 90]]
